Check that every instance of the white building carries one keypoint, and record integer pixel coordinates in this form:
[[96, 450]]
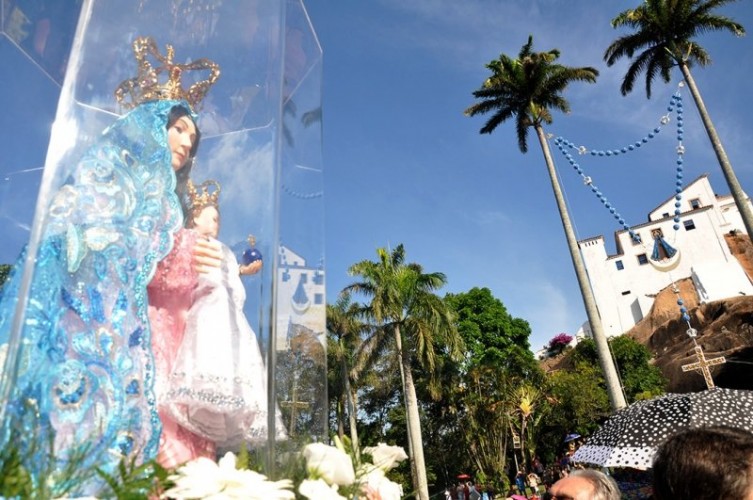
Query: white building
[[300, 299], [625, 284]]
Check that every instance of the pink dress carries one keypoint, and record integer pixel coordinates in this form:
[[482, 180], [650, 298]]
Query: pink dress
[[170, 296]]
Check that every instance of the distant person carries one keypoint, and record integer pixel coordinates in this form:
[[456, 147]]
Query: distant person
[[705, 463], [533, 481], [585, 484], [520, 482]]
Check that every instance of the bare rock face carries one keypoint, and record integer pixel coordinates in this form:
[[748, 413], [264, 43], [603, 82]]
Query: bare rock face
[[724, 328]]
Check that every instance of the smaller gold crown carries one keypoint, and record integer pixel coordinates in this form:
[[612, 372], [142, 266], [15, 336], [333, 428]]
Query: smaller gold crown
[[207, 194], [146, 86]]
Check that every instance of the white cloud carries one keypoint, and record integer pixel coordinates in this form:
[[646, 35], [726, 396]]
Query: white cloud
[[244, 166]]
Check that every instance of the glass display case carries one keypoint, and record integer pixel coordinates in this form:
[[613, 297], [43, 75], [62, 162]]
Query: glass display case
[[96, 235]]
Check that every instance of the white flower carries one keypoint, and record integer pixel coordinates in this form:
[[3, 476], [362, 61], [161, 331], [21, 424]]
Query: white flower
[[374, 484], [386, 457], [203, 478], [329, 463], [319, 490]]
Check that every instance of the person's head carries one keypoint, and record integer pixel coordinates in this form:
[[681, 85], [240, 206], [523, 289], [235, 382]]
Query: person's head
[[705, 463], [206, 221], [585, 484], [183, 137]]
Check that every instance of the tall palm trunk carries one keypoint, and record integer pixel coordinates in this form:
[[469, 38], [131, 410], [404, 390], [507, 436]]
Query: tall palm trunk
[[523, 459], [413, 421], [352, 404], [616, 396], [399, 350], [741, 201], [340, 418], [342, 400]]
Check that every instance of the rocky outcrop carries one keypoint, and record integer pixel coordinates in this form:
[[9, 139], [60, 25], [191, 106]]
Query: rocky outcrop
[[724, 328]]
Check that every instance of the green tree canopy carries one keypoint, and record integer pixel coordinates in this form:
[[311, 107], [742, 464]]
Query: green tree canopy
[[491, 335], [577, 401], [640, 379]]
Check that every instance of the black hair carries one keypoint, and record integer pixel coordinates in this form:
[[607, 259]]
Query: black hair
[[182, 175], [704, 463]]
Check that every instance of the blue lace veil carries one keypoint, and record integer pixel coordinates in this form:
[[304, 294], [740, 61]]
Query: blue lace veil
[[83, 368]]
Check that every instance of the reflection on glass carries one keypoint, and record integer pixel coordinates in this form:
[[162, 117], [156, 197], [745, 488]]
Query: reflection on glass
[[87, 347], [43, 30]]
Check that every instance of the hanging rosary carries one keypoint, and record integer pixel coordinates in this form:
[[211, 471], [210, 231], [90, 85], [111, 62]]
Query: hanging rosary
[[664, 256]]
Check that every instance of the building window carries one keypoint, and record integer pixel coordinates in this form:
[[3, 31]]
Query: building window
[[318, 299], [642, 259], [619, 264], [626, 292], [665, 215], [637, 240], [689, 224], [695, 203]]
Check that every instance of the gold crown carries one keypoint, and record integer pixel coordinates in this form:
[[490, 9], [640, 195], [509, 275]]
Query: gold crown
[[204, 196], [146, 86]]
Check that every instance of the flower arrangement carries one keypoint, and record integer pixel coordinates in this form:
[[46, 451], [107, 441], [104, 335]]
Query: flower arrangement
[[318, 472], [330, 474], [205, 478]]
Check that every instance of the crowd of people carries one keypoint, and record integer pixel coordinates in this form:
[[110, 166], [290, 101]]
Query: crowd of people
[[706, 463]]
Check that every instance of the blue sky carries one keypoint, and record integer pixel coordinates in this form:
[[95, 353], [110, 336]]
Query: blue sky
[[404, 165]]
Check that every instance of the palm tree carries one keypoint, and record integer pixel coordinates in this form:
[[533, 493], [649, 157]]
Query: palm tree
[[664, 33], [345, 330], [526, 88], [404, 306], [523, 400]]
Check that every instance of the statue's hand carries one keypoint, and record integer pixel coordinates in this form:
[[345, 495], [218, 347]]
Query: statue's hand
[[251, 268], [207, 255]]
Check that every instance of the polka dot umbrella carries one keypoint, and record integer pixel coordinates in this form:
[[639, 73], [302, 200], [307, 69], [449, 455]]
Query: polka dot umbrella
[[630, 437]]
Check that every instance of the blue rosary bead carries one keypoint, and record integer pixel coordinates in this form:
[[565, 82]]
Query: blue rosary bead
[[563, 144]]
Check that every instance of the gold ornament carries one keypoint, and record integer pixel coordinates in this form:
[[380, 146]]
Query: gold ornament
[[146, 86], [207, 194]]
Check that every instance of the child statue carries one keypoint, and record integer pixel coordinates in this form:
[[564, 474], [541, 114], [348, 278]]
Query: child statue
[[218, 385]]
